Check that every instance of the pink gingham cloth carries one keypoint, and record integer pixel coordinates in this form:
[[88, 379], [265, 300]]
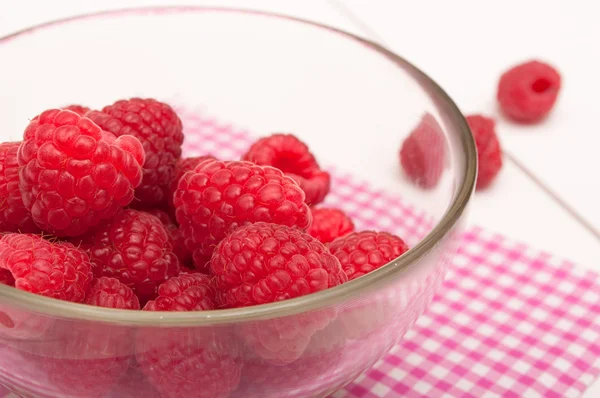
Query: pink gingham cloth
[[508, 322]]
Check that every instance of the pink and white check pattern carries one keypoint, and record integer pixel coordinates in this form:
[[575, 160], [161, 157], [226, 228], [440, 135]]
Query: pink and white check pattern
[[509, 321]]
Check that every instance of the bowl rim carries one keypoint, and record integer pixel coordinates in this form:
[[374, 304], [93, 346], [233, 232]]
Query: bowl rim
[[63, 309]]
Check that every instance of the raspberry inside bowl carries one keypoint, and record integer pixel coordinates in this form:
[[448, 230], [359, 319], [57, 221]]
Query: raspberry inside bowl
[[232, 77]]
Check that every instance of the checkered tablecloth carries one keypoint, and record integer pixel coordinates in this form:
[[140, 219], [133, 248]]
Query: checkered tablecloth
[[508, 322]]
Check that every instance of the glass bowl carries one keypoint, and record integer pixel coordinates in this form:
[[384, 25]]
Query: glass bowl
[[234, 75]]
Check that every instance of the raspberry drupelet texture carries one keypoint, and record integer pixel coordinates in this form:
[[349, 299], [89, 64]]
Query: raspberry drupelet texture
[[263, 263], [111, 293], [362, 252], [422, 154], [329, 224], [134, 247], [6, 277], [186, 292], [57, 270], [218, 197], [14, 217], [528, 92], [183, 166], [78, 109], [489, 153], [188, 362], [292, 156], [73, 175], [160, 131], [177, 237]]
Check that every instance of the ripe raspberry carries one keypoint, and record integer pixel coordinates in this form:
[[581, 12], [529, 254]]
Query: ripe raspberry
[[78, 358], [314, 370], [110, 293], [176, 235], [528, 91], [489, 153], [159, 129], [78, 109], [217, 197], [422, 155], [263, 263], [186, 292], [183, 166], [363, 252], [329, 223], [6, 278], [134, 247], [72, 176], [14, 217], [290, 155], [57, 270], [281, 341]]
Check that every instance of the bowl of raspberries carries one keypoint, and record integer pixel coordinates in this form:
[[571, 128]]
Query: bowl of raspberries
[[214, 203]]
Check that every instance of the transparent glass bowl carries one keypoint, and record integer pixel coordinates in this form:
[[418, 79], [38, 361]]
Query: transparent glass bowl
[[233, 73]]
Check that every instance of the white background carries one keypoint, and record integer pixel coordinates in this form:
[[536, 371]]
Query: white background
[[465, 45]]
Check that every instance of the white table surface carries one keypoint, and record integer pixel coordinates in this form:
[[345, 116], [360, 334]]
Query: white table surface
[[465, 45]]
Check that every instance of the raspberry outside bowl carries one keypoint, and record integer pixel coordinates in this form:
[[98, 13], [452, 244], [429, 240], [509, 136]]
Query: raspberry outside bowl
[[351, 100]]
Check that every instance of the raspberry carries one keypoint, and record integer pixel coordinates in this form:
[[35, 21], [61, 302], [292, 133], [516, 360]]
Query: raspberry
[[72, 177], [422, 155], [176, 235], [363, 252], [183, 166], [290, 155], [78, 109], [14, 217], [78, 359], [528, 91], [218, 197], [57, 270], [281, 341], [329, 223], [6, 278], [110, 293], [489, 153], [159, 129], [263, 263], [313, 370], [135, 248], [186, 292]]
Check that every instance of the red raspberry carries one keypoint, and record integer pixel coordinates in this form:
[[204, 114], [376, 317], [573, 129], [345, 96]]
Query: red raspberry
[[422, 155], [489, 153], [14, 217], [218, 197], [329, 223], [135, 248], [6, 278], [177, 237], [72, 176], [183, 166], [78, 358], [281, 341], [188, 362], [57, 270], [290, 155], [78, 109], [110, 293], [263, 263], [159, 129], [186, 292], [528, 91], [363, 252]]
